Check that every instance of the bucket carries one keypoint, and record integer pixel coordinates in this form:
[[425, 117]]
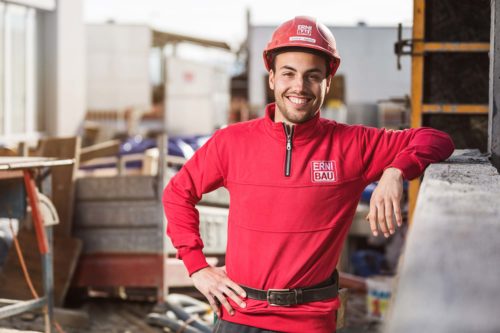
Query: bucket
[[378, 296]]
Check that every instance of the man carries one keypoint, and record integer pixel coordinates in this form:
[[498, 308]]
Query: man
[[295, 180]]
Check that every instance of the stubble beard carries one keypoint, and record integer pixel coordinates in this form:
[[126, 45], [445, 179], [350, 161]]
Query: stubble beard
[[291, 116]]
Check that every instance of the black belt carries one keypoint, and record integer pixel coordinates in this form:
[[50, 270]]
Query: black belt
[[287, 297]]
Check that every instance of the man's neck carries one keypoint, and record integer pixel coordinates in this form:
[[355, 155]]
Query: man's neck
[[278, 118]]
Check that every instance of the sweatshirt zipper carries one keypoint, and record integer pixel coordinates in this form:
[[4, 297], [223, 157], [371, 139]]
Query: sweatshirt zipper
[[288, 161]]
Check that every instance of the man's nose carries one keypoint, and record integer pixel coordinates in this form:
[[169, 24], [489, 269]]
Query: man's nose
[[299, 83]]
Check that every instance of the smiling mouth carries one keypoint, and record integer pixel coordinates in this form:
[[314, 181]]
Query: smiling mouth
[[299, 101]]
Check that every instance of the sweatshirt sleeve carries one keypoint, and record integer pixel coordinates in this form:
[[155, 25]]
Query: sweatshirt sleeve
[[201, 174], [410, 150]]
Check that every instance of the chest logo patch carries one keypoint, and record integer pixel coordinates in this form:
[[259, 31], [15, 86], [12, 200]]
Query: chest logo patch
[[323, 172]]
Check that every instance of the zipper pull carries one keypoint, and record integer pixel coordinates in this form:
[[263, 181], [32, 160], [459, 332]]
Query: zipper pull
[[288, 160]]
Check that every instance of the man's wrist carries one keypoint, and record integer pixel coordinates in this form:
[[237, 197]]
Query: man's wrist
[[194, 260], [395, 172]]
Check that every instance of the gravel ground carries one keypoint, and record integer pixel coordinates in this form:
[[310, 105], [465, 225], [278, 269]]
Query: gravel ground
[[121, 316], [356, 319]]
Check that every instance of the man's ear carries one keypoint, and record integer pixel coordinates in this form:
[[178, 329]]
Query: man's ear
[[328, 83], [271, 79]]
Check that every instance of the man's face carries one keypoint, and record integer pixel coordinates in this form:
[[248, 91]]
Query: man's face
[[300, 84]]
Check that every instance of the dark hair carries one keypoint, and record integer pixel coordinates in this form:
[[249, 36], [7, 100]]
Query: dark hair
[[276, 52]]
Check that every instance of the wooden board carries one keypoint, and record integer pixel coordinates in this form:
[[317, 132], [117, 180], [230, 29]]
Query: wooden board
[[104, 149], [12, 282], [63, 178], [119, 269], [130, 270]]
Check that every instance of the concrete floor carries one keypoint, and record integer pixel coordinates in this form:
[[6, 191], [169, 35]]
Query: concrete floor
[[118, 316]]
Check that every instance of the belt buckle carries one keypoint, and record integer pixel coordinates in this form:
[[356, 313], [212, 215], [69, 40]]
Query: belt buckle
[[278, 291]]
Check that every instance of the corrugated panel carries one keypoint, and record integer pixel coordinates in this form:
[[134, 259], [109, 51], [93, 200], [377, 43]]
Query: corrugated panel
[[457, 21], [465, 130], [120, 240], [456, 78], [116, 188], [117, 214], [213, 231]]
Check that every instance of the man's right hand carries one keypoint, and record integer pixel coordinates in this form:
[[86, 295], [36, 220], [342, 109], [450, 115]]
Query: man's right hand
[[215, 285]]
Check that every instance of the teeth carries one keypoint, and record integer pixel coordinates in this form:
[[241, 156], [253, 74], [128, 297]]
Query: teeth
[[296, 100]]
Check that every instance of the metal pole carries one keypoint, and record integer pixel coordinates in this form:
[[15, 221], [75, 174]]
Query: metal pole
[[162, 182], [48, 282], [494, 99], [163, 179]]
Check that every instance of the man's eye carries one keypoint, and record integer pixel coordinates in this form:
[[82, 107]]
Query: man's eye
[[315, 78], [287, 74]]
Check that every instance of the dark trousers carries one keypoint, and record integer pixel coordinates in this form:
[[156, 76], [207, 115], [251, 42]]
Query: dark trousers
[[223, 326]]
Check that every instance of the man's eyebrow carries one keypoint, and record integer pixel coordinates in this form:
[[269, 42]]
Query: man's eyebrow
[[312, 70], [288, 67]]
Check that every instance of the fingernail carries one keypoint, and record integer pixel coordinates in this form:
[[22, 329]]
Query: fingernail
[[243, 295], [231, 313], [386, 235], [243, 305], [375, 233]]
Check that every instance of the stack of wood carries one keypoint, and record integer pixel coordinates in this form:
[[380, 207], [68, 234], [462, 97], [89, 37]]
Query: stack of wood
[[67, 249]]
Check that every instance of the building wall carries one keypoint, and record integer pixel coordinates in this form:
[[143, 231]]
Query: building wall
[[118, 66], [197, 97], [368, 65], [64, 76], [42, 69], [17, 71]]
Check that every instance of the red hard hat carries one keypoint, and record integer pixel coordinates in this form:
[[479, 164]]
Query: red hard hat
[[305, 32]]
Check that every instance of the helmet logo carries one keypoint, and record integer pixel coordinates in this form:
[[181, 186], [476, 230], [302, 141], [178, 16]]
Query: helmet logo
[[304, 30], [302, 39]]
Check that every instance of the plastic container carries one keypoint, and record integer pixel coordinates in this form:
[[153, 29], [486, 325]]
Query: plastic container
[[378, 296]]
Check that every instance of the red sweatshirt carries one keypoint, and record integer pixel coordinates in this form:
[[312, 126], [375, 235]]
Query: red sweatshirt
[[288, 231]]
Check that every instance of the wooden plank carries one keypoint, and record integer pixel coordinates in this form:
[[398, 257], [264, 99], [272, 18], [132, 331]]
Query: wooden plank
[[63, 178], [455, 108], [119, 269], [11, 174], [4, 151], [12, 282], [104, 149], [456, 47], [343, 296], [21, 163], [417, 79], [72, 318], [130, 270]]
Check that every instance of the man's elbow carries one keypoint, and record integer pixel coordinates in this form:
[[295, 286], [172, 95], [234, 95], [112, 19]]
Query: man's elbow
[[448, 145], [167, 193]]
